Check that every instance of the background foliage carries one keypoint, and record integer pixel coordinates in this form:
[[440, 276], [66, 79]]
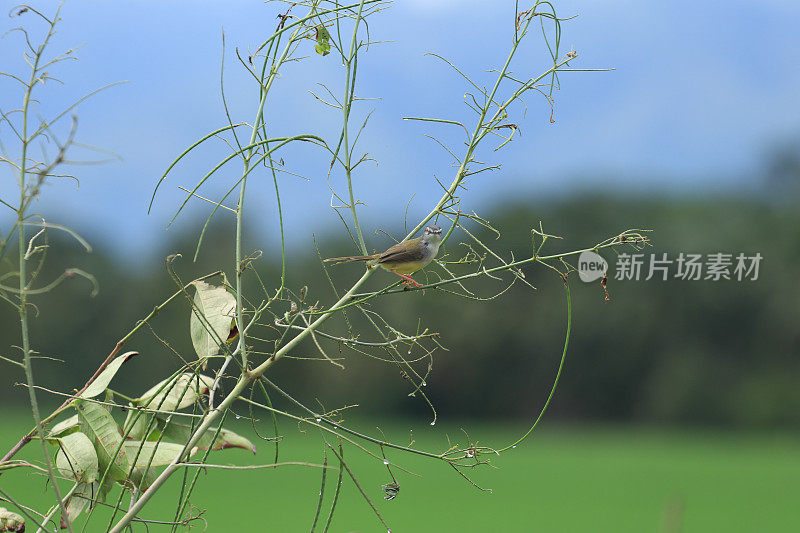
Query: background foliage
[[699, 352]]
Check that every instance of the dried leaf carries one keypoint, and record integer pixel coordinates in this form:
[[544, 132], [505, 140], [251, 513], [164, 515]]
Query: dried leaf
[[152, 453], [102, 430], [176, 393], [180, 433], [76, 458], [83, 496], [323, 46], [210, 322], [11, 521], [65, 427], [105, 377]]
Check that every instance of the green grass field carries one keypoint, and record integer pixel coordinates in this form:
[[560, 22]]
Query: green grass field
[[562, 480]]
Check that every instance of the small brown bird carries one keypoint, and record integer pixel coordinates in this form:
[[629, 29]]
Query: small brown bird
[[404, 258]]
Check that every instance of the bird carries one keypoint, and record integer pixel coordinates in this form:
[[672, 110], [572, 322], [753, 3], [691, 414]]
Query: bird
[[404, 258]]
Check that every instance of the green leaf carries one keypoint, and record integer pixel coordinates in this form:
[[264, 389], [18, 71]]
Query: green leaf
[[105, 377], [143, 477], [162, 453], [210, 322], [84, 495], [76, 458], [154, 454], [105, 488], [11, 521], [176, 393], [102, 430], [136, 423], [65, 427], [178, 432], [323, 46]]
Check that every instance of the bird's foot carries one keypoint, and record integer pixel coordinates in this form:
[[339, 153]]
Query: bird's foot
[[408, 281], [411, 282]]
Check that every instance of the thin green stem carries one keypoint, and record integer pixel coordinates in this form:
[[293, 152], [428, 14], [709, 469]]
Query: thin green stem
[[236, 392], [558, 373], [481, 130], [484, 271], [23, 275], [141, 323], [276, 59], [338, 490], [257, 122], [50, 515], [321, 491], [358, 486], [349, 87]]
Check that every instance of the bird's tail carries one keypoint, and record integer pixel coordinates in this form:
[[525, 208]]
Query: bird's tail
[[352, 258]]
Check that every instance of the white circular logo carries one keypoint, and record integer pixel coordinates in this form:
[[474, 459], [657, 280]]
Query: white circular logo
[[591, 266]]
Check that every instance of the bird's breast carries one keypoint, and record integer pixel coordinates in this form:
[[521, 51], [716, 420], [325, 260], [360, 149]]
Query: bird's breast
[[408, 267]]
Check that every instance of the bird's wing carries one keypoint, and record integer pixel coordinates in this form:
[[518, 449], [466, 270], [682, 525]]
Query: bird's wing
[[403, 252]]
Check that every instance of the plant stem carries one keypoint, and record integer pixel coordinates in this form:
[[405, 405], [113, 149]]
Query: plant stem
[[249, 376], [33, 432], [237, 390], [257, 122], [347, 103], [23, 274]]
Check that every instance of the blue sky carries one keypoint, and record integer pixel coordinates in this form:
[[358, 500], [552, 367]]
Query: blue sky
[[700, 93]]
